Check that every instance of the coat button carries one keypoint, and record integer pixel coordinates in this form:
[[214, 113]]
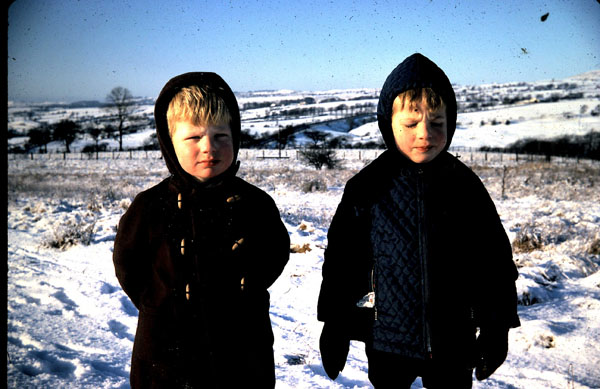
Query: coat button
[[187, 291], [179, 201], [233, 198], [242, 283], [237, 244], [182, 246]]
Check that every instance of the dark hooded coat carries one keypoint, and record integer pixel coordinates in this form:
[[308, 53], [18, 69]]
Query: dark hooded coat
[[196, 259], [425, 238]]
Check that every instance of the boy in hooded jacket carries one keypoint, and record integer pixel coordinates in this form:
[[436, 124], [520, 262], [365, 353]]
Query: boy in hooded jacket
[[197, 252], [418, 262]]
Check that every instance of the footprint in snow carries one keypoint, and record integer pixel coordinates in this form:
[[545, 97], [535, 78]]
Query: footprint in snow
[[119, 330], [69, 304], [107, 288], [128, 307], [109, 369], [49, 364]]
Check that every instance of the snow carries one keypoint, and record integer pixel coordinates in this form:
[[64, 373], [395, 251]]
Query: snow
[[498, 126], [536, 120], [70, 324]]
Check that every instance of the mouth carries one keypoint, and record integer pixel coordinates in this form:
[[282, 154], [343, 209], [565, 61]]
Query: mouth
[[424, 149], [210, 162]]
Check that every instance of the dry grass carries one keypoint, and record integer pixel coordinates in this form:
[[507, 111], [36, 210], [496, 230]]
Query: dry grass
[[71, 234], [549, 181], [305, 180]]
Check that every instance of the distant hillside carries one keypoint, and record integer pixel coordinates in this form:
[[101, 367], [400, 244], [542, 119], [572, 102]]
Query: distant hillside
[[490, 115]]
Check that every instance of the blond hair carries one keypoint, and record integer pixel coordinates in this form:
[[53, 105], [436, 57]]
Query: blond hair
[[413, 96], [199, 106]]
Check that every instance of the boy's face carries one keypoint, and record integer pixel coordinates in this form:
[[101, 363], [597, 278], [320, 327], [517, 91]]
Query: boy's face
[[203, 151], [420, 135]]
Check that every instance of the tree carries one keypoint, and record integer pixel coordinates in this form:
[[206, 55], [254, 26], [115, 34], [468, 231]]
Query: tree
[[247, 139], [319, 154], [40, 137], [285, 136], [96, 132], [66, 131], [120, 102], [318, 138]]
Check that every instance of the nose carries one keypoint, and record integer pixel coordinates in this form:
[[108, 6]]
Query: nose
[[424, 130], [206, 145]]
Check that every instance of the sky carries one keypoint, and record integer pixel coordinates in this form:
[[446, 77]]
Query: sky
[[69, 50]]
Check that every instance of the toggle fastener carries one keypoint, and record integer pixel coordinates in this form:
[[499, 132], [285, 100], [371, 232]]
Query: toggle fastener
[[237, 244]]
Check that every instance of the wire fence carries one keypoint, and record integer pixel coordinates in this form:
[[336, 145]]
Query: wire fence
[[468, 155]]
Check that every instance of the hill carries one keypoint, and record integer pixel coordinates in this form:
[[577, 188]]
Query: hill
[[490, 115]]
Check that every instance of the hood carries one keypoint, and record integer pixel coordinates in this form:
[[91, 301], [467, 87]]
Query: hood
[[215, 84], [415, 72]]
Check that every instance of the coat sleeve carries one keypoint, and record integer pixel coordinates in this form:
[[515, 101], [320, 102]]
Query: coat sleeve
[[496, 294], [269, 245], [130, 254], [346, 265]]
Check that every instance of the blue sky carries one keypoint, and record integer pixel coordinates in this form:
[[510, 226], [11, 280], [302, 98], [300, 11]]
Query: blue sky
[[66, 50]]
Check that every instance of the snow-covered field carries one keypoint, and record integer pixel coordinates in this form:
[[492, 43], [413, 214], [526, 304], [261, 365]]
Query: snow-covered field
[[70, 324], [545, 109]]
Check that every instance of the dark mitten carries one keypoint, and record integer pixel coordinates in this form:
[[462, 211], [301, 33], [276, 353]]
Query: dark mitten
[[334, 345], [492, 348]]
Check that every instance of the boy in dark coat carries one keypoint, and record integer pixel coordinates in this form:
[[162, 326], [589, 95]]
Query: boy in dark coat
[[197, 252], [417, 259]]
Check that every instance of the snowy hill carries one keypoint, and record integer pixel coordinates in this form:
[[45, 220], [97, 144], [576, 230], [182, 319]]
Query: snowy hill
[[493, 115]]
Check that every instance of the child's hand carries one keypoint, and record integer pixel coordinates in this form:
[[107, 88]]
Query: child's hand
[[492, 348], [334, 345]]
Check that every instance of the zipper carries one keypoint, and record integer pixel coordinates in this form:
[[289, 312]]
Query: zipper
[[373, 291], [424, 261]]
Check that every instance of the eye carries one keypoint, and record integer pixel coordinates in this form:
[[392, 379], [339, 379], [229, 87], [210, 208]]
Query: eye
[[410, 125]]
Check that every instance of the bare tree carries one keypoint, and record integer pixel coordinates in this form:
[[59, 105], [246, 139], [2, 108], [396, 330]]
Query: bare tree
[[96, 132], [120, 101], [318, 138], [318, 154], [66, 131], [40, 137]]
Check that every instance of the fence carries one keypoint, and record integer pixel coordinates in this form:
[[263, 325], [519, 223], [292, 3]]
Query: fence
[[130, 154], [468, 155], [249, 154]]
